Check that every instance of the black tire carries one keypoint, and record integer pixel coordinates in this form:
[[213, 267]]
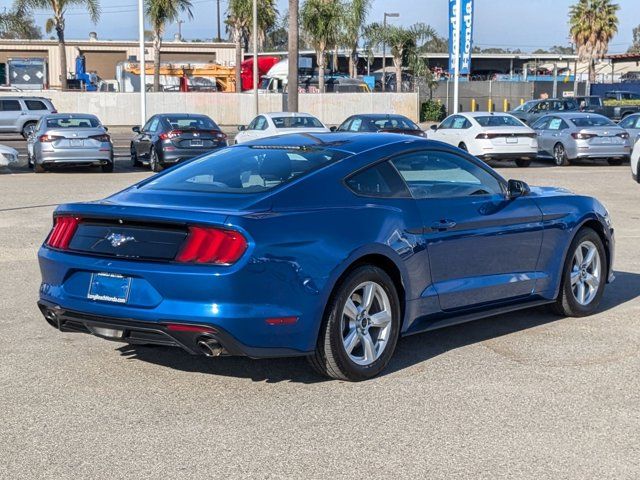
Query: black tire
[[523, 163], [154, 161], [135, 162], [38, 168], [26, 128], [331, 358], [614, 162], [560, 155], [463, 146], [108, 168], [29, 161], [566, 303]]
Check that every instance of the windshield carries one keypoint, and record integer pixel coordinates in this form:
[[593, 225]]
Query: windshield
[[592, 122], [73, 122], [525, 107], [395, 122], [192, 123], [244, 169], [297, 122], [498, 121]]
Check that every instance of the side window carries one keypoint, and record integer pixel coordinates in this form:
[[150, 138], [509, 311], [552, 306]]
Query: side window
[[541, 124], [557, 124], [11, 106], [147, 125], [381, 180], [628, 122], [461, 123], [542, 107], [447, 122], [252, 125], [344, 126], [261, 123], [355, 125], [437, 174], [154, 125], [35, 105]]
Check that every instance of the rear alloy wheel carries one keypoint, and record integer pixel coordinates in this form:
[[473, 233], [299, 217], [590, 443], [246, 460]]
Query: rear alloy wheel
[[463, 146], [614, 161], [523, 163], [560, 155], [361, 327], [28, 129], [154, 162], [584, 276]]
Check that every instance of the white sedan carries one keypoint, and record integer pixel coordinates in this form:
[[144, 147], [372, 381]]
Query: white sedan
[[489, 136], [635, 161], [8, 156], [271, 124]]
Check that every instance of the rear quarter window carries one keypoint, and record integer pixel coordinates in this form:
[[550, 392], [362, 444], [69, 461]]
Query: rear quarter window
[[381, 180], [35, 105]]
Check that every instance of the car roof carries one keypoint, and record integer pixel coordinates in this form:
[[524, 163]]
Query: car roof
[[486, 114], [575, 114], [184, 115], [70, 115], [286, 114], [353, 143], [378, 115]]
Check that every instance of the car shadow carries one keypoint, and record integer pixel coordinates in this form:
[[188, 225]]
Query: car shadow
[[410, 351]]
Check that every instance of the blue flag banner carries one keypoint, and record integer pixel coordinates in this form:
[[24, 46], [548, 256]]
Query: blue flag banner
[[462, 44]]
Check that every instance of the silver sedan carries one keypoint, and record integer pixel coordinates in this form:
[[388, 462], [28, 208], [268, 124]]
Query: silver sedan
[[631, 124], [69, 140], [565, 137]]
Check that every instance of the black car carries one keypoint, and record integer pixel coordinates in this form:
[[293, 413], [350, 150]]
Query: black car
[[380, 122], [170, 138]]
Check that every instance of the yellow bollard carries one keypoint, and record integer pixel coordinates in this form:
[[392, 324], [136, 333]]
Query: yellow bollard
[[522, 101], [474, 106], [505, 105], [489, 106]]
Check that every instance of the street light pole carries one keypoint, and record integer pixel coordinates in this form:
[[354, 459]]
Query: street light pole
[[384, 50], [143, 65], [218, 8], [255, 55]]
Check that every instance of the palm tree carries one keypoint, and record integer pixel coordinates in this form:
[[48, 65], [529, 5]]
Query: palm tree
[[239, 23], [401, 40], [355, 17], [292, 83], [57, 22], [593, 23], [160, 13], [321, 24]]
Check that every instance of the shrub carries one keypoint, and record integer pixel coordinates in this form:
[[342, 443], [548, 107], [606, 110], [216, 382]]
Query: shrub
[[432, 111]]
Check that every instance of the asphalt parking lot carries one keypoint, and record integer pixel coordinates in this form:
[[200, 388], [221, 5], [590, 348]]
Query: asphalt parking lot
[[523, 395]]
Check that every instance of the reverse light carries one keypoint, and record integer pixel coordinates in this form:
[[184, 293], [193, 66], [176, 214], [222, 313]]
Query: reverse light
[[63, 231], [583, 136], [623, 135], [212, 245]]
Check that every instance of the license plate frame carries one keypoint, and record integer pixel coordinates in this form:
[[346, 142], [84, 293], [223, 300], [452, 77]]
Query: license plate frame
[[197, 142], [76, 142], [512, 140], [109, 287]]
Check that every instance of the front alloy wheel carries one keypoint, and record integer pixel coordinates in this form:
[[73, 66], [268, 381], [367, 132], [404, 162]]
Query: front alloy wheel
[[584, 276], [560, 155], [361, 326]]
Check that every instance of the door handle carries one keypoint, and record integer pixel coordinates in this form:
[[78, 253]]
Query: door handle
[[443, 225]]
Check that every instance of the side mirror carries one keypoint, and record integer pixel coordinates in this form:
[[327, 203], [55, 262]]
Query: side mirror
[[106, 129], [136, 129], [434, 127], [333, 129], [241, 128], [517, 188]]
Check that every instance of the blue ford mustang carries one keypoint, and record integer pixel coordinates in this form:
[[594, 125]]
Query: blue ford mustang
[[329, 246]]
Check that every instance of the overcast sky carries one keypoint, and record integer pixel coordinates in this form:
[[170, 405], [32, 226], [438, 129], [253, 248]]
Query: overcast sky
[[524, 24]]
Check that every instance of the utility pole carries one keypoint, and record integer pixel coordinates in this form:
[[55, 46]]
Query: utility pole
[[180, 22], [255, 56], [143, 65], [384, 50], [292, 81], [219, 39]]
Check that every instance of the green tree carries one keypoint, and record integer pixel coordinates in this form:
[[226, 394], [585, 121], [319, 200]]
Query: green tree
[[402, 41], [18, 24], [160, 13], [320, 20], [57, 22], [355, 14], [635, 46], [593, 23], [240, 23]]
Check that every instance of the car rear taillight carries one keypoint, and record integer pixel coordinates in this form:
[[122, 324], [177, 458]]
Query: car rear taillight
[[486, 136], [46, 138], [62, 233], [170, 134], [101, 138], [623, 135], [54, 111], [583, 136], [218, 134], [212, 245]]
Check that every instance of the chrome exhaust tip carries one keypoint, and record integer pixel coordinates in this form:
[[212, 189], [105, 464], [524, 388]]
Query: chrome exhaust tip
[[210, 347], [51, 318]]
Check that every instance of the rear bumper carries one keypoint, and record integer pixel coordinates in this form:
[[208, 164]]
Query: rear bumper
[[176, 155], [75, 156], [599, 151], [529, 155], [151, 333]]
